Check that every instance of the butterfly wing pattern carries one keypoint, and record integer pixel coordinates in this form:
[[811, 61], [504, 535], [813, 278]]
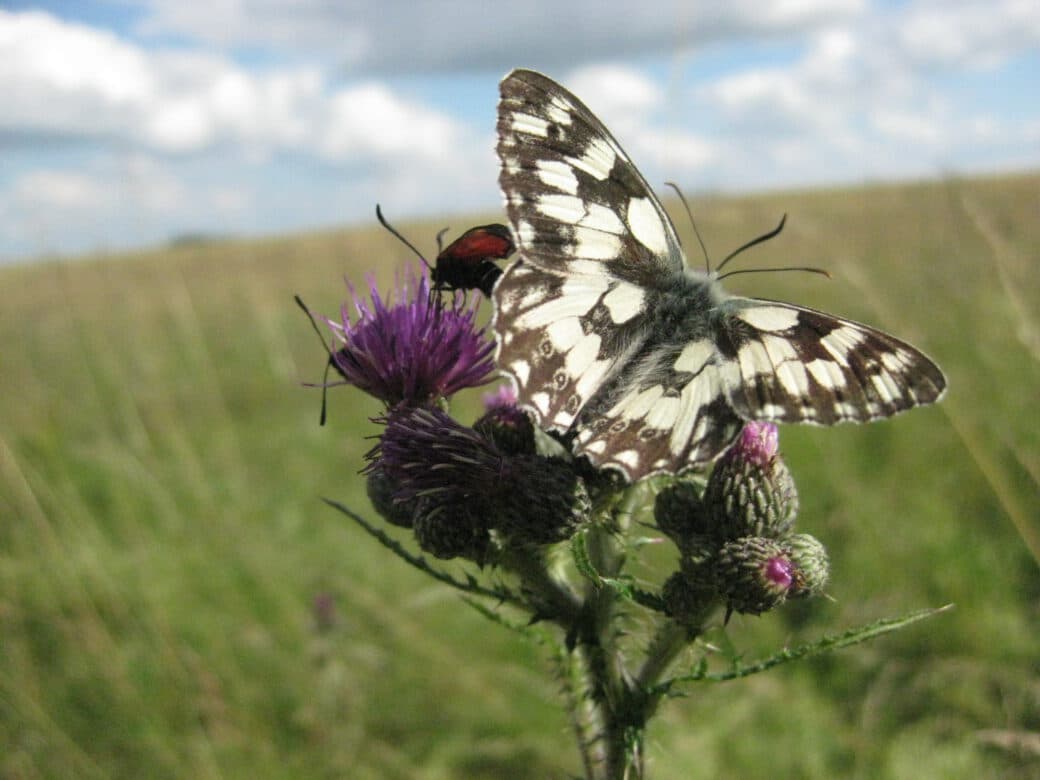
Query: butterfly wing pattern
[[646, 365]]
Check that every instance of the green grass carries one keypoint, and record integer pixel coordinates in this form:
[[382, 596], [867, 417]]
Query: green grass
[[162, 537]]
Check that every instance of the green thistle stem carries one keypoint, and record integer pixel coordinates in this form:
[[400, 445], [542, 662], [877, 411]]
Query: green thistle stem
[[551, 597]]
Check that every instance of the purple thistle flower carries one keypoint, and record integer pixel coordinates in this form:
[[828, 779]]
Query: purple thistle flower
[[779, 571], [758, 443], [411, 348], [502, 397]]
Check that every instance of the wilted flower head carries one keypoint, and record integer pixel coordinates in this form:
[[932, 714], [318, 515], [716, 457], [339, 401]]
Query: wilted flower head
[[505, 423], [445, 471], [526, 497], [411, 348], [426, 452], [680, 513]]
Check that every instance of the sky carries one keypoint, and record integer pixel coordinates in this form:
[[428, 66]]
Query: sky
[[127, 123]]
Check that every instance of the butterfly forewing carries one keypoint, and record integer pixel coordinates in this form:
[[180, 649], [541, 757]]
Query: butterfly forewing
[[575, 200], [651, 367]]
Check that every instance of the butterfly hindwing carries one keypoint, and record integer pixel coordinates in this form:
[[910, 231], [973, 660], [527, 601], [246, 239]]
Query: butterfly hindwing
[[562, 337], [669, 410], [801, 365]]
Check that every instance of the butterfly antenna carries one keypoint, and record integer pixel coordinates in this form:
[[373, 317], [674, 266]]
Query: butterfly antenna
[[331, 362], [765, 237], [754, 242], [440, 236], [696, 232], [808, 268], [399, 237]]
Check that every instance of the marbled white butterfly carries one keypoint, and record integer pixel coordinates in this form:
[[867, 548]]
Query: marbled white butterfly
[[648, 365]]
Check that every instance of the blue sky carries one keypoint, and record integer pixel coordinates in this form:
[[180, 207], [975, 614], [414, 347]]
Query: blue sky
[[129, 122]]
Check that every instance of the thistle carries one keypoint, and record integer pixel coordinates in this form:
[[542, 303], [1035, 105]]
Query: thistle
[[490, 495], [750, 491], [411, 348]]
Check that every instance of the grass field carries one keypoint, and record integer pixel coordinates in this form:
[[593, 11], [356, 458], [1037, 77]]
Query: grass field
[[162, 538]]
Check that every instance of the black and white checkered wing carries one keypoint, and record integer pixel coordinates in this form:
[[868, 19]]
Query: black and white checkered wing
[[650, 366], [592, 237], [794, 364], [574, 198]]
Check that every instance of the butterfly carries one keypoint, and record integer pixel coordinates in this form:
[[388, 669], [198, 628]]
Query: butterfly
[[645, 364]]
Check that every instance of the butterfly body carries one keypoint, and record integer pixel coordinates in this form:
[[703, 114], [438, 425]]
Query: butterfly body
[[648, 365]]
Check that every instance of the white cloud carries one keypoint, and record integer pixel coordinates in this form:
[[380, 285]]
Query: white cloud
[[369, 120], [901, 126], [75, 81], [171, 139], [966, 34], [67, 191], [615, 89], [428, 35], [66, 79]]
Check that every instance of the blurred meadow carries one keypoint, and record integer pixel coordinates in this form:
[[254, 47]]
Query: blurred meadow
[[177, 601]]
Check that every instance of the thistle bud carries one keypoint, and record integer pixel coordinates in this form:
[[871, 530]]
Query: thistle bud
[[452, 530], [508, 428], [539, 500], [750, 491], [686, 598], [812, 565], [381, 489], [680, 513], [754, 574]]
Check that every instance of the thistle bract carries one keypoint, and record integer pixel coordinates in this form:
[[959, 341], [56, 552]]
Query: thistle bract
[[750, 491], [754, 574], [812, 565], [509, 427], [530, 499]]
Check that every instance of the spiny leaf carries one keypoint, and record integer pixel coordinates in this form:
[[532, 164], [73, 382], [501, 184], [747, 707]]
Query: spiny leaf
[[420, 563], [828, 643], [623, 586]]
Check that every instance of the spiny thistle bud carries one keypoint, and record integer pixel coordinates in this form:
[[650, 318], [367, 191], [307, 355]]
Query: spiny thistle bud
[[686, 598], [680, 513], [750, 491], [529, 498], [505, 424], [754, 574], [812, 565], [540, 500], [381, 489], [452, 530]]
